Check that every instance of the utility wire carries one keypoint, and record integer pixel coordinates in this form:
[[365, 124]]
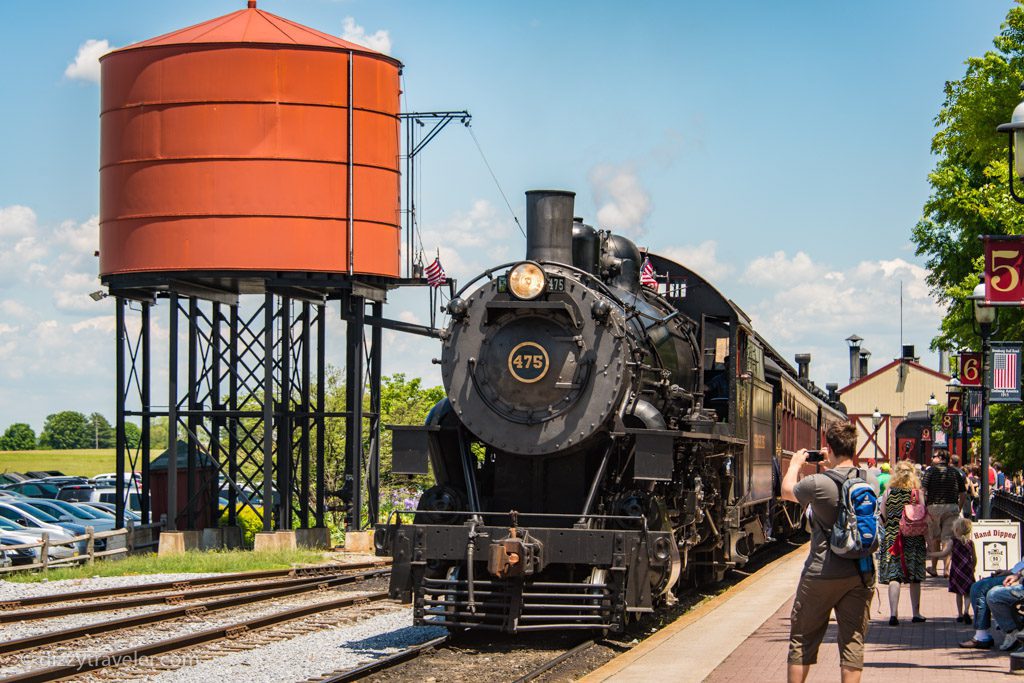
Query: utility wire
[[495, 178]]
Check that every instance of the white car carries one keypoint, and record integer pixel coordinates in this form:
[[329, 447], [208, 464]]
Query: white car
[[70, 512], [25, 534]]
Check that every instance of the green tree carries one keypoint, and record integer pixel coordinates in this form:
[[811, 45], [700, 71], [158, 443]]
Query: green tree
[[970, 198], [67, 429], [103, 434], [18, 437], [132, 434]]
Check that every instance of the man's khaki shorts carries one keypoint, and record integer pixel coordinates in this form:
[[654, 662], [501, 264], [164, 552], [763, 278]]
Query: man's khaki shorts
[[940, 520], [814, 602]]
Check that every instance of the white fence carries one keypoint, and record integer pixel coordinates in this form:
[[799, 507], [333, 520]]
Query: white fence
[[132, 539]]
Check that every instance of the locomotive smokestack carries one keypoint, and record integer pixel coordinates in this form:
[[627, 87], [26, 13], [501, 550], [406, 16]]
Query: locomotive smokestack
[[549, 216]]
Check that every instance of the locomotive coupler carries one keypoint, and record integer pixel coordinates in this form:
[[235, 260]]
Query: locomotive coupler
[[513, 556], [470, 552]]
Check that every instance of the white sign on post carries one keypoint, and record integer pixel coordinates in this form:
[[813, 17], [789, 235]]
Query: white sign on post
[[996, 545]]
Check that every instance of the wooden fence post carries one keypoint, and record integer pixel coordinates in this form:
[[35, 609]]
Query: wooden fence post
[[90, 544], [129, 540], [44, 551]]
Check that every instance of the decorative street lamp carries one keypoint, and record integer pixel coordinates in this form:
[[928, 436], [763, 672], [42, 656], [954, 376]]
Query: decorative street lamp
[[1015, 145], [876, 422], [985, 316], [953, 389]]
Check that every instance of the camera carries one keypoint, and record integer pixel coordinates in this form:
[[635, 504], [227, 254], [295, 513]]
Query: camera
[[815, 456]]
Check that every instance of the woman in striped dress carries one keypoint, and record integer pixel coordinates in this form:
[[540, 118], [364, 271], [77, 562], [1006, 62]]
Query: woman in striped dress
[[901, 558]]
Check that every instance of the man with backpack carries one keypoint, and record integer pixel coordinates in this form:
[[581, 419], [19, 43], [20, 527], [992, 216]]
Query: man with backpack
[[839, 574]]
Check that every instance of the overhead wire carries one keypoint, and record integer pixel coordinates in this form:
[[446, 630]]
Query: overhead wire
[[495, 178]]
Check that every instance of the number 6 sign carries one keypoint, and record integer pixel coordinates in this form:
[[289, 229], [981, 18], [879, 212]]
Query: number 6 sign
[[970, 369], [1004, 265]]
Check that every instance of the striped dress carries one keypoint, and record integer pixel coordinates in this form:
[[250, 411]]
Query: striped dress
[[890, 567]]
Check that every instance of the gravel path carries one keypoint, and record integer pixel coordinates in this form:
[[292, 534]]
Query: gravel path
[[311, 655]]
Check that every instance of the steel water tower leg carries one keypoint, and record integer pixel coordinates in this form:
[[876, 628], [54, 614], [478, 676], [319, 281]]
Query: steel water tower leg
[[147, 415], [268, 411], [120, 444], [285, 420], [373, 470], [305, 422], [193, 419], [217, 408], [354, 406], [172, 416], [234, 422], [321, 408]]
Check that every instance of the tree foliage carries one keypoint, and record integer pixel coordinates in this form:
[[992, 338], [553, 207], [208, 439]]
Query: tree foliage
[[103, 434], [66, 429], [18, 437], [132, 434], [970, 198]]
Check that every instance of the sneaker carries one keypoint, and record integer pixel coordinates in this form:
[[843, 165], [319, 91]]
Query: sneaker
[[1010, 640]]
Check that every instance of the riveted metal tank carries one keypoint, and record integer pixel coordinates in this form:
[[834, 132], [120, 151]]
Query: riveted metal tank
[[249, 143]]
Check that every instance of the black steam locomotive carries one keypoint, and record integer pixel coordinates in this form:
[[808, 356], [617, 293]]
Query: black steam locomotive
[[600, 443]]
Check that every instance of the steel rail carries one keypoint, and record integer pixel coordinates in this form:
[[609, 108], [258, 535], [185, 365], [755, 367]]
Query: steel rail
[[67, 635], [382, 663], [181, 585], [552, 663], [168, 599], [133, 655]]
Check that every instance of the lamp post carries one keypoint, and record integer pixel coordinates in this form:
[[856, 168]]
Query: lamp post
[[932, 402], [1015, 146], [876, 422], [985, 316]]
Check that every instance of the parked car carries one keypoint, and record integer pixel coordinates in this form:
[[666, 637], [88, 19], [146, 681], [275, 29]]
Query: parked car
[[34, 489], [37, 474], [64, 480], [87, 493], [132, 480], [19, 556], [24, 534], [12, 478], [34, 518], [9, 494], [70, 512], [111, 510]]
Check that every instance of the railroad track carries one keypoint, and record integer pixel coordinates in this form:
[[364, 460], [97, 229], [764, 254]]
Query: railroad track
[[137, 656], [184, 585], [64, 636], [166, 598]]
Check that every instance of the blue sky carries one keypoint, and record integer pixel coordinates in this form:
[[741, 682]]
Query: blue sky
[[782, 149]]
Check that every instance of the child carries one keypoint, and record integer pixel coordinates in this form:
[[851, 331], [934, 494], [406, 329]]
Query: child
[[960, 550]]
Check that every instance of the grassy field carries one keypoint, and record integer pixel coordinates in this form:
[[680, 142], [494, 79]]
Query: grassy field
[[224, 561], [85, 462]]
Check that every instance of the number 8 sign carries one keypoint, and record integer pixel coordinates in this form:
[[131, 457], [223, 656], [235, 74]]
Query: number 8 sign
[[970, 369], [1004, 265]]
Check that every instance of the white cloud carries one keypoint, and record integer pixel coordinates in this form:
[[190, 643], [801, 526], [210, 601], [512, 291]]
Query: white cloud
[[801, 305], [378, 40], [17, 221], [71, 292], [86, 66], [623, 204], [701, 259], [471, 240]]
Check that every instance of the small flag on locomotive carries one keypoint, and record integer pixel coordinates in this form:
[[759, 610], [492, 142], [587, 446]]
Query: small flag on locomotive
[[647, 278]]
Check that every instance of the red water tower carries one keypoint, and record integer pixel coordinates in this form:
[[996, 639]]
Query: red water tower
[[249, 143]]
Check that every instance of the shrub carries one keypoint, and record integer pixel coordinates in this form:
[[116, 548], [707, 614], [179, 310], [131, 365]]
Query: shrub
[[248, 521]]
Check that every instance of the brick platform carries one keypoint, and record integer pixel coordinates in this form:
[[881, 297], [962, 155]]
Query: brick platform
[[919, 652]]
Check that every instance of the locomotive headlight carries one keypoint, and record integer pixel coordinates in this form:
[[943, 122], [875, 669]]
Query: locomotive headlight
[[526, 280]]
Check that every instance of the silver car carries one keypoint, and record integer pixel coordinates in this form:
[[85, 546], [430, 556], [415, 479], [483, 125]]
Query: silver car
[[23, 534], [69, 512]]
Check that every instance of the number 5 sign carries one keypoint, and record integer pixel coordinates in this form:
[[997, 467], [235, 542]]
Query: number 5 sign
[[970, 369], [1004, 269]]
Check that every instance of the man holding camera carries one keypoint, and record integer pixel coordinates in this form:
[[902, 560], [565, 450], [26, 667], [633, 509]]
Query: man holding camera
[[828, 582]]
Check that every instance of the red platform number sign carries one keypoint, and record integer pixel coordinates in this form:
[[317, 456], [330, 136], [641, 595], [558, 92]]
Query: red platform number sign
[[1004, 269], [953, 406], [970, 369]]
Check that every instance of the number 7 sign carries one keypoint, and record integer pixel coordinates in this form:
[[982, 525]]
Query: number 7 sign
[[1004, 269]]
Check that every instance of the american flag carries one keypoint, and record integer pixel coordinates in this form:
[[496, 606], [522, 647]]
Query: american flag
[[647, 275], [1004, 370], [974, 405], [435, 273]]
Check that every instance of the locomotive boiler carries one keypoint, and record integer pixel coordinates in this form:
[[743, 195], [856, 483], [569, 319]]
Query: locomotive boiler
[[600, 443]]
